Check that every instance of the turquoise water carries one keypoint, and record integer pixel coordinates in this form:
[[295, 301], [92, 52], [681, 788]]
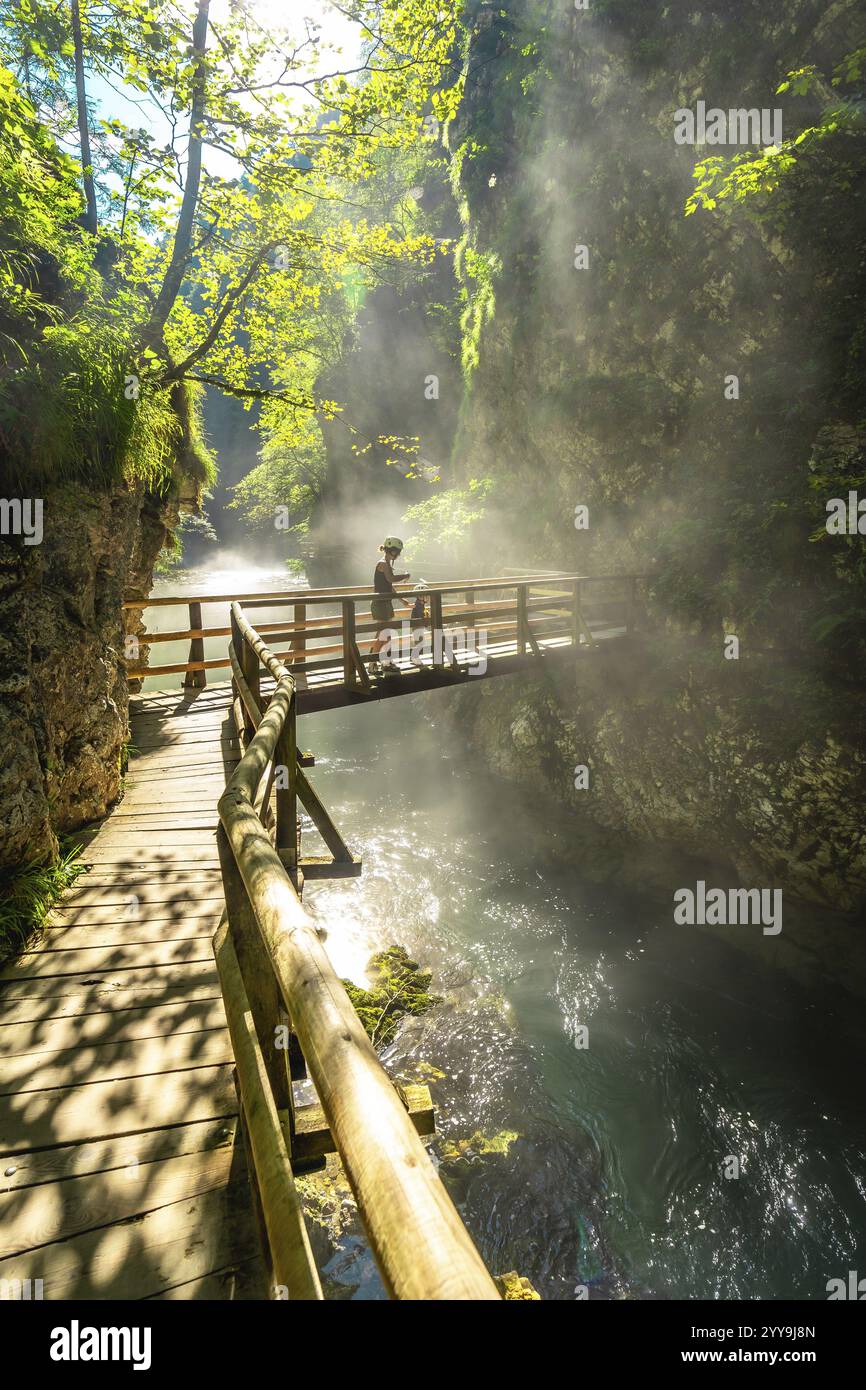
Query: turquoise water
[[696, 1054]]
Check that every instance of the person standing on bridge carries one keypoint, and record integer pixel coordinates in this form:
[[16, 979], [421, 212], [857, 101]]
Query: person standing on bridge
[[382, 607]]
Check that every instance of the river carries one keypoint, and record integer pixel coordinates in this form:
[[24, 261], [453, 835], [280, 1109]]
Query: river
[[604, 1170]]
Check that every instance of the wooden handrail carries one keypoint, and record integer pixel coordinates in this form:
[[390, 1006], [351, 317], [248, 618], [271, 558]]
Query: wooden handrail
[[325, 627], [421, 1246], [346, 591], [533, 595]]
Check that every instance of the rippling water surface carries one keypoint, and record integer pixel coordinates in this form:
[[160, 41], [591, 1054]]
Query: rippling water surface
[[607, 1169], [696, 1053]]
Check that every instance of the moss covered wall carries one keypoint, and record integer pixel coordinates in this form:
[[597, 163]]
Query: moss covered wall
[[605, 387]]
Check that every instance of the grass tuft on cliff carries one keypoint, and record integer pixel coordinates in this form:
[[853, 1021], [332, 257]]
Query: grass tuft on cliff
[[27, 897]]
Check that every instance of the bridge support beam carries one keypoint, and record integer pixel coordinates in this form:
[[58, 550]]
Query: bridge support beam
[[195, 680]]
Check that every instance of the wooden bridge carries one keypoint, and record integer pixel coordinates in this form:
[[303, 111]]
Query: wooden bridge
[[151, 1039], [476, 628]]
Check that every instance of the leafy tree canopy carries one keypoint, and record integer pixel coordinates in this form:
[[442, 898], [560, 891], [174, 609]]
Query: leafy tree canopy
[[214, 244]]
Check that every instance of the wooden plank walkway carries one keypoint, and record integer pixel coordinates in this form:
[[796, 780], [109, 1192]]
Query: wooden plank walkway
[[121, 1171]]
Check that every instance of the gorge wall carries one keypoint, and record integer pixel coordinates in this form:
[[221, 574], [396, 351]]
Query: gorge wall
[[604, 385], [600, 330], [63, 685]]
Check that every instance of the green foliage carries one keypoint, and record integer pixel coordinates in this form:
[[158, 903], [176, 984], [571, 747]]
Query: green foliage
[[398, 988], [290, 474], [27, 897], [444, 522], [478, 294], [64, 415], [754, 178], [245, 280]]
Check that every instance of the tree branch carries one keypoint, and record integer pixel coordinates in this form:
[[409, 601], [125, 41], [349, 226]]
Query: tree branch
[[252, 392], [181, 368]]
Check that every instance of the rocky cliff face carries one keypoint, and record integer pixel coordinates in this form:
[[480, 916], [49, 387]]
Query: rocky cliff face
[[63, 688], [602, 328], [681, 777]]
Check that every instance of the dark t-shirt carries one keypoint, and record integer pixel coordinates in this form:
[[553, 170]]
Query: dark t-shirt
[[381, 582]]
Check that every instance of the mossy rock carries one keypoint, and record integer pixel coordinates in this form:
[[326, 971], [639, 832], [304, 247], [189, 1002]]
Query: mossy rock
[[479, 1145], [328, 1199], [398, 988], [516, 1287]]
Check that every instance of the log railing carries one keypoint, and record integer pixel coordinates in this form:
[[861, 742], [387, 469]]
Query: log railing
[[521, 609], [289, 1016]]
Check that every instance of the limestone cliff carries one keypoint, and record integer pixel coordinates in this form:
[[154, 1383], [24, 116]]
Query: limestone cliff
[[601, 328], [63, 688]]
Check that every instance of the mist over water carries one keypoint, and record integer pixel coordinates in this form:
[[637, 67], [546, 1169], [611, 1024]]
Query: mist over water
[[696, 1053], [607, 1164]]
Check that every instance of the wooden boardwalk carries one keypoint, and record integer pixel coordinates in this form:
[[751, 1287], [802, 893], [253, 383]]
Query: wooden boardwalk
[[121, 1173], [122, 1161]]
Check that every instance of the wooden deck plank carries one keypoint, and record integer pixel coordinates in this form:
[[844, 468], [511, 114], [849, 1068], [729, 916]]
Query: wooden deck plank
[[40, 1009], [111, 1025], [138, 1258], [133, 930], [36, 1216], [126, 857], [110, 889], [101, 1155], [163, 737], [112, 957], [84, 1066], [74, 1114], [98, 926], [87, 984], [123, 834], [163, 818], [241, 1282]]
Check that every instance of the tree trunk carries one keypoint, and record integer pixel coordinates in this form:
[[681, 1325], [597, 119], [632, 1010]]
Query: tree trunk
[[90, 222], [152, 336]]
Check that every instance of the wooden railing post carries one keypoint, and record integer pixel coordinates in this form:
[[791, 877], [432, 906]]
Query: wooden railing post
[[581, 628], [250, 663], [195, 680], [350, 677], [437, 624], [469, 598], [285, 1242], [236, 646], [522, 623], [631, 603], [266, 1003], [286, 763], [299, 641]]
